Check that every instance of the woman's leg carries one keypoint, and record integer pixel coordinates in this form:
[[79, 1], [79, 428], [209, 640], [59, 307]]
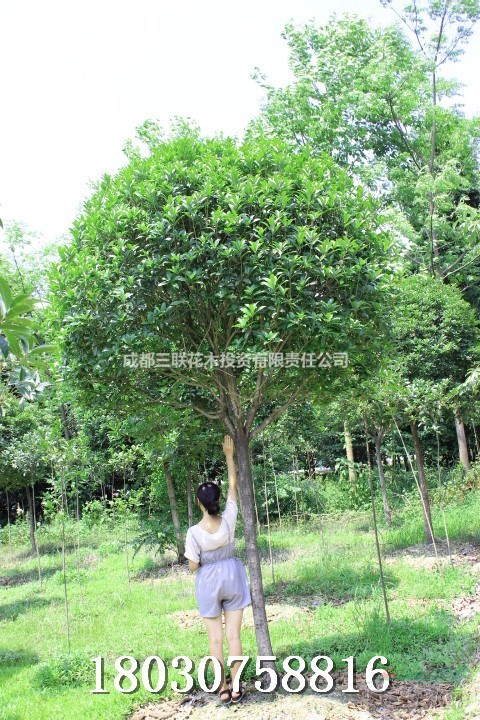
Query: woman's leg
[[215, 638], [233, 622]]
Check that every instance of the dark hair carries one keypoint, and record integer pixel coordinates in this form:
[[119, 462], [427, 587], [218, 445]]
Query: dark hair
[[209, 495]]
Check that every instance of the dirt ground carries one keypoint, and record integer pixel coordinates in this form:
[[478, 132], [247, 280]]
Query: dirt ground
[[404, 700]]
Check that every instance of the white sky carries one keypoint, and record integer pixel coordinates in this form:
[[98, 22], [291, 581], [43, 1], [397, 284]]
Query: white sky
[[78, 76]]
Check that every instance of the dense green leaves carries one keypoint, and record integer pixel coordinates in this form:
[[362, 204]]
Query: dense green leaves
[[208, 247]]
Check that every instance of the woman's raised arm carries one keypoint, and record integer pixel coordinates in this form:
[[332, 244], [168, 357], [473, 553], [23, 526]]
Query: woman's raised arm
[[228, 448]]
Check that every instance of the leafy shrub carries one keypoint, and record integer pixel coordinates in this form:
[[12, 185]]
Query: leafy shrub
[[458, 483], [157, 534], [64, 671], [95, 512]]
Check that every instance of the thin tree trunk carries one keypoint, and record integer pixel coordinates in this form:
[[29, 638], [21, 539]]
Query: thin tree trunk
[[189, 496], [295, 487], [462, 441], [8, 519], [39, 569], [77, 550], [31, 518], [64, 564], [114, 513], [477, 446], [375, 528], [276, 485], [266, 508], [427, 516], [369, 460], [439, 480], [349, 450], [381, 475], [125, 520], [174, 509], [245, 487], [254, 494]]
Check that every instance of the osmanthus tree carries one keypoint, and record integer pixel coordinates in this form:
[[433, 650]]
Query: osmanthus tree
[[207, 247]]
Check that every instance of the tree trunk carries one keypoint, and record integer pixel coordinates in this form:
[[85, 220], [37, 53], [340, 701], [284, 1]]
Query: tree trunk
[[477, 446], [349, 448], [189, 496], [310, 463], [462, 441], [175, 516], [8, 518], [245, 488], [381, 475], [427, 516], [31, 518], [369, 461]]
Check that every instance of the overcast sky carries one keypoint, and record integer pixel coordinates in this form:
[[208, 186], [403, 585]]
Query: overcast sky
[[78, 76]]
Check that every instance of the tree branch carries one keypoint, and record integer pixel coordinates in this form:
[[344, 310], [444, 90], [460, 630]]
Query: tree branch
[[278, 411]]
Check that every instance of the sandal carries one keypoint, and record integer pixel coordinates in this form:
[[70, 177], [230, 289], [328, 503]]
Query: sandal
[[239, 696], [228, 698]]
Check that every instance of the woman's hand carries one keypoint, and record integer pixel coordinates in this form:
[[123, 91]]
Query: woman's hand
[[228, 446]]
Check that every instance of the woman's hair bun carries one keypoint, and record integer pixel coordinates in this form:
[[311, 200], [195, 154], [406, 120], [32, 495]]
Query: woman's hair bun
[[209, 495]]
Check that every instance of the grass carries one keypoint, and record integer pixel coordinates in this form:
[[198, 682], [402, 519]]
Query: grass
[[328, 566]]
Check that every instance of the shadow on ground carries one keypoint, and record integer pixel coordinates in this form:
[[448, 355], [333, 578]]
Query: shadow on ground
[[20, 577], [11, 611]]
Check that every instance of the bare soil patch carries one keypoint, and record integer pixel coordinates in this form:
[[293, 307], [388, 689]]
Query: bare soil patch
[[275, 612], [424, 556], [403, 701]]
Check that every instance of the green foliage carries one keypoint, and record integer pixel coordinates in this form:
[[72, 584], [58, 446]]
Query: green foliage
[[338, 494], [64, 671], [156, 534], [459, 484], [19, 347], [435, 330], [205, 244], [376, 98]]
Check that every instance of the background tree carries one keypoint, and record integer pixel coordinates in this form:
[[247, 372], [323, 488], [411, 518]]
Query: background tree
[[377, 98]]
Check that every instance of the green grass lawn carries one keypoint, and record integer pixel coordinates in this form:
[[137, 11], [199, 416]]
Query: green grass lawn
[[326, 569]]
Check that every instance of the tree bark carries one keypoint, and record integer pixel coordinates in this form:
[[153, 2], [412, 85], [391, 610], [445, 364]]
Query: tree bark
[[381, 475], [31, 518], [462, 441], [245, 488], [349, 449], [477, 446], [174, 509], [425, 498], [189, 496]]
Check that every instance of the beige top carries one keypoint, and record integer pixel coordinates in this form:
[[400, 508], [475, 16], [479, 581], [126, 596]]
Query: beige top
[[198, 537]]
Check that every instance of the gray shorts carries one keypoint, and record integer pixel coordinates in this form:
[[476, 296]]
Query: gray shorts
[[221, 582]]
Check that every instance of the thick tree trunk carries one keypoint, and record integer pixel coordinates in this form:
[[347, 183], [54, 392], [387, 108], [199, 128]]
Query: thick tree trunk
[[462, 441], [425, 498], [349, 449], [245, 488], [381, 475], [174, 509], [31, 518], [189, 496]]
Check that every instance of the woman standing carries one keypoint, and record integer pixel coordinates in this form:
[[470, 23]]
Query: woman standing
[[221, 580]]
